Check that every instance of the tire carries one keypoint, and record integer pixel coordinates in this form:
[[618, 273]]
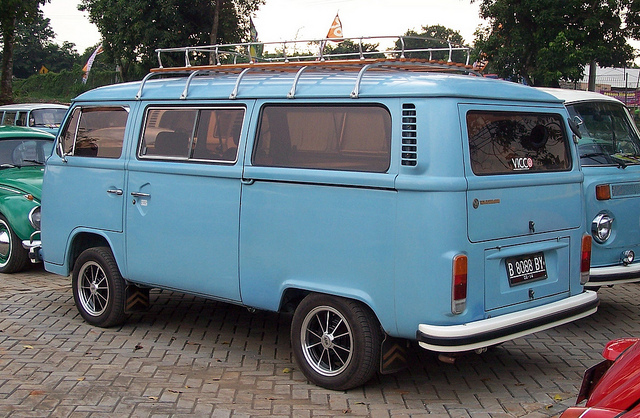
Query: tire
[[13, 257], [336, 342], [98, 288]]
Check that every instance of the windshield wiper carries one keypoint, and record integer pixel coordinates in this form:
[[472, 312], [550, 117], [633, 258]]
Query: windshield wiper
[[6, 165], [621, 163], [34, 161]]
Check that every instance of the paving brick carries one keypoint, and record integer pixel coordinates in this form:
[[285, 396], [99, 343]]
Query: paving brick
[[202, 358]]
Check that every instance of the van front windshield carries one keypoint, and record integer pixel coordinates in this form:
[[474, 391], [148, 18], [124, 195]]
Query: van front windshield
[[608, 134]]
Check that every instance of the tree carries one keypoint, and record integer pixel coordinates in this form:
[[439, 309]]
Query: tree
[[133, 29], [351, 50], [34, 47], [12, 12], [544, 41], [437, 37]]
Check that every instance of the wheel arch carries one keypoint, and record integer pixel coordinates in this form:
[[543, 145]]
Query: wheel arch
[[293, 295], [84, 239]]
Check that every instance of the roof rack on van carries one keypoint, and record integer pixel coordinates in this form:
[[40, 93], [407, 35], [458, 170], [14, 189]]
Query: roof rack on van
[[408, 53]]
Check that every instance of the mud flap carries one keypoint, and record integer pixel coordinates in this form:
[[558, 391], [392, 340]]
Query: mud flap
[[393, 355], [137, 299]]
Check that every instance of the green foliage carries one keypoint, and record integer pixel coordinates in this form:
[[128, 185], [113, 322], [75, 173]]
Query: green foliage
[[544, 41], [34, 48], [60, 87], [133, 29], [12, 12], [439, 37], [351, 50]]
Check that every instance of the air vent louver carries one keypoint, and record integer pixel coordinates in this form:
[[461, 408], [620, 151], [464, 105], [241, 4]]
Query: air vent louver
[[409, 135]]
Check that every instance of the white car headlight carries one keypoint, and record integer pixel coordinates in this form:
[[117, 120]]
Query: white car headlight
[[34, 218]]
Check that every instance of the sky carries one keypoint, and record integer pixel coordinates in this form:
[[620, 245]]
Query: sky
[[279, 20]]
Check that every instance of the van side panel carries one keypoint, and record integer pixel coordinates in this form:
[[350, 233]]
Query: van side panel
[[336, 240], [322, 230]]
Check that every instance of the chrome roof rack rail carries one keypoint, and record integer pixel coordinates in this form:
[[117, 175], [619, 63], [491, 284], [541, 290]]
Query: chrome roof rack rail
[[234, 93], [292, 92], [183, 96], [409, 53]]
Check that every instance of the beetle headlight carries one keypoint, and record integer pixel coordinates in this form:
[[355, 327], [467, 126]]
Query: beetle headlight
[[34, 218], [601, 227]]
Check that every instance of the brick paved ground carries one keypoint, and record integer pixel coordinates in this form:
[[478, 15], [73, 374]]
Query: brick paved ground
[[192, 357]]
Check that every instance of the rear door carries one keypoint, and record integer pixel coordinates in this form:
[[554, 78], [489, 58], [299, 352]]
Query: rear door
[[524, 200]]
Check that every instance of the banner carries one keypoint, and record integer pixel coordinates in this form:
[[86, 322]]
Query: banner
[[87, 66]]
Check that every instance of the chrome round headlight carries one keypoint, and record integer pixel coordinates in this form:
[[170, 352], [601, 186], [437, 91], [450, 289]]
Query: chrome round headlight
[[627, 257], [34, 218], [601, 227]]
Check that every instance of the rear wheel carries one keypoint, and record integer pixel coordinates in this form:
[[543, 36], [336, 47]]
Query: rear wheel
[[335, 341], [13, 257], [98, 288]]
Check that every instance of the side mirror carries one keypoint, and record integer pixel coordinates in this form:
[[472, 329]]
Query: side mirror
[[575, 128]]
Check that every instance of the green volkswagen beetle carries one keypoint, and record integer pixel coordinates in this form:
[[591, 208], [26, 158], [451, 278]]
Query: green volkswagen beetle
[[22, 155]]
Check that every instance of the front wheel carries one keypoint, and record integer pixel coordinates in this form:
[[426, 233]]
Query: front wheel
[[13, 257], [98, 288], [335, 341]]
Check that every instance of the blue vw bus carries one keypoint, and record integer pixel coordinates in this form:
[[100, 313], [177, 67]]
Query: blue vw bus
[[609, 150], [377, 199]]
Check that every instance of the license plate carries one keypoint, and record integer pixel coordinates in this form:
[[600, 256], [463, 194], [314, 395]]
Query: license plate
[[526, 268]]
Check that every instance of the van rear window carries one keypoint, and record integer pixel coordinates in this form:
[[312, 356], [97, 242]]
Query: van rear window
[[510, 142], [348, 138]]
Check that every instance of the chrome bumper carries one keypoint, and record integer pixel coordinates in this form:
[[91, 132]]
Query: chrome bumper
[[491, 331], [35, 248]]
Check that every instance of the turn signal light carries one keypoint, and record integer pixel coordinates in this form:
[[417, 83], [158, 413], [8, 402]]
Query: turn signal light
[[459, 287], [603, 192], [585, 259]]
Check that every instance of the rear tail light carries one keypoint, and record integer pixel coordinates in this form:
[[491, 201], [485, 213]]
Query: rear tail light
[[603, 192], [459, 287], [585, 259]]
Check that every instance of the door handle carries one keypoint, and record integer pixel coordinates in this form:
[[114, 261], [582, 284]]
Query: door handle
[[138, 194], [115, 191], [248, 182]]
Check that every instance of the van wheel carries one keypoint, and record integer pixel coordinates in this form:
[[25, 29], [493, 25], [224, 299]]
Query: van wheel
[[98, 288], [335, 341], [13, 257]]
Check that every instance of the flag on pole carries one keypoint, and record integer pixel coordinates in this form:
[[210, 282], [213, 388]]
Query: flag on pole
[[87, 66], [253, 34], [335, 31]]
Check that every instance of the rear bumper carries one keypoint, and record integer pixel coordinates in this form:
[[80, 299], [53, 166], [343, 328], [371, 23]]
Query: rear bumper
[[491, 331], [607, 276]]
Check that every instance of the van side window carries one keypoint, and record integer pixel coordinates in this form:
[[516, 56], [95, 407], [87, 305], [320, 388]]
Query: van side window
[[509, 142], [349, 138], [192, 134], [95, 132]]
